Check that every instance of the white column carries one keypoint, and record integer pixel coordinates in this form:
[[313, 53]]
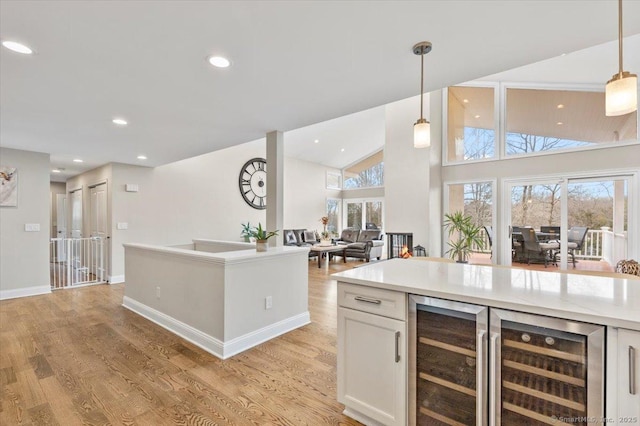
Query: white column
[[275, 186]]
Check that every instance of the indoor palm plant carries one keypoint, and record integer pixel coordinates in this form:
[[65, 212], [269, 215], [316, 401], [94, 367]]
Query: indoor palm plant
[[261, 236], [464, 235]]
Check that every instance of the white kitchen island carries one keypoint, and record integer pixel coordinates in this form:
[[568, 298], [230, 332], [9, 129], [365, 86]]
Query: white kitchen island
[[377, 351], [222, 296]]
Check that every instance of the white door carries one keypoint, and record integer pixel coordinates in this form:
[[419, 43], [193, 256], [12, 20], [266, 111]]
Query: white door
[[372, 366], [61, 226], [99, 211], [628, 376], [98, 227], [76, 214]]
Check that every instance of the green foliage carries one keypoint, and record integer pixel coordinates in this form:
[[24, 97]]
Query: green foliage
[[261, 234], [246, 230], [467, 235]]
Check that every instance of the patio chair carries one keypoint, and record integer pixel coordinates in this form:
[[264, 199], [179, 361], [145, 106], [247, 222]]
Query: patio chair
[[515, 232], [532, 245], [575, 241]]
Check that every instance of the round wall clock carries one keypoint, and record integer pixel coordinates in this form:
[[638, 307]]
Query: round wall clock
[[253, 183]]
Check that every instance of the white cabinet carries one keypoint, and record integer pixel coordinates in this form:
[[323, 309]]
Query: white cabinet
[[372, 365], [625, 369]]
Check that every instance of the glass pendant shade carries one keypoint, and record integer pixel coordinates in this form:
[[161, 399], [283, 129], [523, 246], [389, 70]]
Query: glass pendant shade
[[422, 134], [621, 94]]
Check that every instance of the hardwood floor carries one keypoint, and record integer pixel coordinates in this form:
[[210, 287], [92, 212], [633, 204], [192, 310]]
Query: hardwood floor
[[78, 357]]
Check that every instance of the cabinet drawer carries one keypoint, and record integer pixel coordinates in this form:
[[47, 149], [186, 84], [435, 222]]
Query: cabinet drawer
[[388, 303]]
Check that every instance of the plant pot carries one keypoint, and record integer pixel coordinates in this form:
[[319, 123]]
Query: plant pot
[[325, 241], [262, 245]]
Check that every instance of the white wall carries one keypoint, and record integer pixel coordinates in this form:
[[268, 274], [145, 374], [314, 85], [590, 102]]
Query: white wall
[[406, 172], [24, 256], [199, 198], [305, 194]]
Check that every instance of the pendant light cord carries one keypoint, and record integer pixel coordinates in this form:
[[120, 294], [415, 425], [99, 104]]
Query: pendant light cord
[[422, 80], [620, 36]]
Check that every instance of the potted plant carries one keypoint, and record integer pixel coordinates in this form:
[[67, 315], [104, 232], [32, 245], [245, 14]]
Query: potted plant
[[467, 235], [261, 236], [246, 231], [325, 237]]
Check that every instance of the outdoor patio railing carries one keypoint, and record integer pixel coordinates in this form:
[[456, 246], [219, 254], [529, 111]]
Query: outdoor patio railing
[[591, 249]]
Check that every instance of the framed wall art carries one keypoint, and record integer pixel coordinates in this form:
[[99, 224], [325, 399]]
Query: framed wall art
[[8, 186]]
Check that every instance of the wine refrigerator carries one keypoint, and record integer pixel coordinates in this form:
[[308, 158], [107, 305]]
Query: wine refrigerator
[[472, 365]]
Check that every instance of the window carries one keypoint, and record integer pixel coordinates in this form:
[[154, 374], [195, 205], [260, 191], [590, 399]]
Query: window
[[367, 173], [542, 120], [471, 131], [333, 213], [334, 181], [364, 213], [474, 199]]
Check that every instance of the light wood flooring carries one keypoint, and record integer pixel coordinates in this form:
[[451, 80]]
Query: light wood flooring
[[77, 357]]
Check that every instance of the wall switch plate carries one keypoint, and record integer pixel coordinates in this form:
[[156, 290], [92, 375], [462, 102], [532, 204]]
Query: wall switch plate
[[32, 227], [158, 292], [122, 225], [131, 187], [268, 302]]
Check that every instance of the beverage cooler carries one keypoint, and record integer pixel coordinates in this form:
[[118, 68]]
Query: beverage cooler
[[471, 365]]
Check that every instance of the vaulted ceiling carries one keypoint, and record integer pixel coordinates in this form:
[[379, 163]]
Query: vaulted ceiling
[[292, 64]]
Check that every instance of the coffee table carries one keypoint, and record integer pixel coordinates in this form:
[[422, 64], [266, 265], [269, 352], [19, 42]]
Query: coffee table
[[328, 249]]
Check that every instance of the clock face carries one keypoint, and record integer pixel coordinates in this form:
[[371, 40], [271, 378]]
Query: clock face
[[253, 183]]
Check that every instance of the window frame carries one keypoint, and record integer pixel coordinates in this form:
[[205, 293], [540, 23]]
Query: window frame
[[500, 105]]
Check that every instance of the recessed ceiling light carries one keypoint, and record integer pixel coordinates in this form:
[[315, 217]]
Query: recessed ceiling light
[[55, 171], [142, 157], [560, 106], [119, 121], [77, 160], [219, 61], [342, 150], [17, 47], [316, 141], [476, 116], [559, 123], [466, 101]]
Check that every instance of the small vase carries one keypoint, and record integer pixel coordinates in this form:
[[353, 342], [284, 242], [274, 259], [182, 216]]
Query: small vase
[[262, 245]]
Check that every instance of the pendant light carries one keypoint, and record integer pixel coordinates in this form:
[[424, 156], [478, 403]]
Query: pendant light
[[621, 92], [422, 128]]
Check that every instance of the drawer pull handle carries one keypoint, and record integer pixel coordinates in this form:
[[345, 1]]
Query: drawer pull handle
[[368, 300], [632, 370], [397, 346]]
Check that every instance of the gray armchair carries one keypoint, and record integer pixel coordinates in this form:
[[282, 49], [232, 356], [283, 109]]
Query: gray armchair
[[538, 249]]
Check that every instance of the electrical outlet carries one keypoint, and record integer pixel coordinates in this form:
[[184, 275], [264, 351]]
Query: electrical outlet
[[157, 292], [268, 302], [32, 227]]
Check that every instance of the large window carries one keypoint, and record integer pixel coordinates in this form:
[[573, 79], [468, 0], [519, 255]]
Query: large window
[[532, 121], [540, 120], [364, 213], [333, 213], [367, 173], [474, 199], [471, 123]]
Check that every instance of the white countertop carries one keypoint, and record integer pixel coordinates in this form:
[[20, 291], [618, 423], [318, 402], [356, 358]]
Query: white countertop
[[595, 299]]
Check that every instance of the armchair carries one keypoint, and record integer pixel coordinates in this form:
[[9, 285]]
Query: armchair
[[532, 245], [575, 241]]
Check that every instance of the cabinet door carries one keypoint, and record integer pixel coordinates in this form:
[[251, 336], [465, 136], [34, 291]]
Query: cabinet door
[[372, 365], [628, 376]]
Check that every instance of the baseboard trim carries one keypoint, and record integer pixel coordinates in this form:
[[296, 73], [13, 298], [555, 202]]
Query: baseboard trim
[[249, 340], [216, 347], [116, 279], [24, 292]]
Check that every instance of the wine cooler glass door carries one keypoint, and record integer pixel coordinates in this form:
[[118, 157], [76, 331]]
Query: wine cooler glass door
[[448, 374], [545, 370]]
